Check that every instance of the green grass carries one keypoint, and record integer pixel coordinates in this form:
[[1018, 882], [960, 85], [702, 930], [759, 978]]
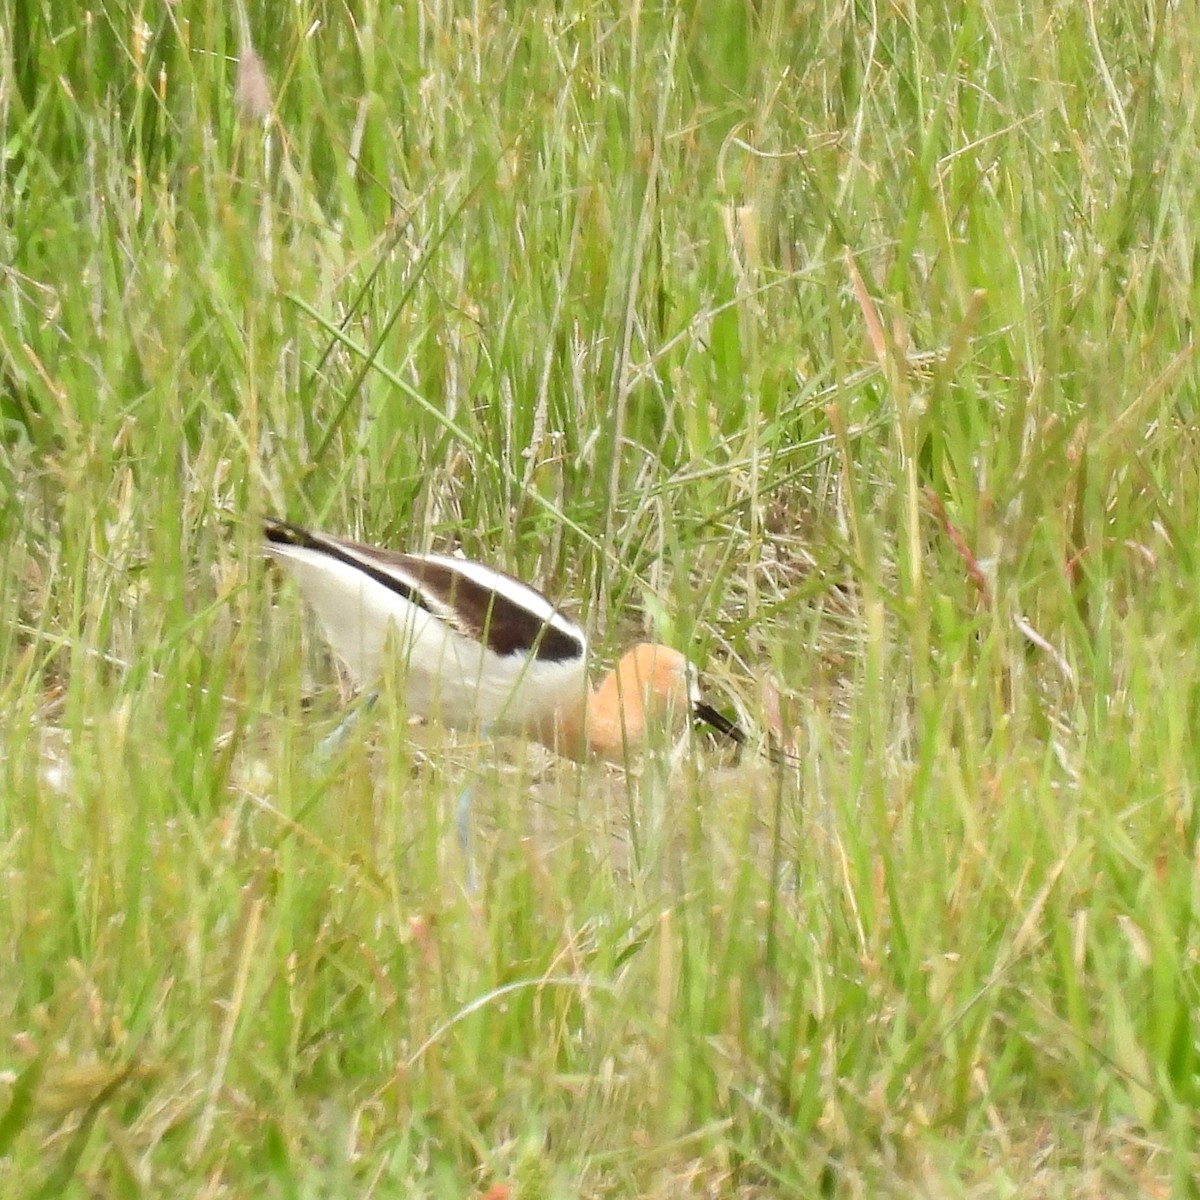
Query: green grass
[[846, 346]]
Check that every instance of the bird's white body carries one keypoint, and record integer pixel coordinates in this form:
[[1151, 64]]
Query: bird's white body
[[375, 605]]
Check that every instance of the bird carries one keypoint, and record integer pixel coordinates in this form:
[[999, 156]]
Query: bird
[[483, 650]]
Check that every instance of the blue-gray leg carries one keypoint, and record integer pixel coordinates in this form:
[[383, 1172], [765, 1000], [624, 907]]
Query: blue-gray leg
[[462, 825], [462, 828], [331, 743]]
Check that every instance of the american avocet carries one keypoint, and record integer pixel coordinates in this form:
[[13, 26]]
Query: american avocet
[[484, 650]]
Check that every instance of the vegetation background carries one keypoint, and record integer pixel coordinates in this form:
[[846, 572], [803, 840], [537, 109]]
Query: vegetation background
[[848, 345]]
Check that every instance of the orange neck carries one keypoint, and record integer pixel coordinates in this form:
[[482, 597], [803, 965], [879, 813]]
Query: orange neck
[[614, 717]]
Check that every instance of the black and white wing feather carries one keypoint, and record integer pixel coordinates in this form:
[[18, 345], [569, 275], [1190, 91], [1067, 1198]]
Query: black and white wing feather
[[478, 644]]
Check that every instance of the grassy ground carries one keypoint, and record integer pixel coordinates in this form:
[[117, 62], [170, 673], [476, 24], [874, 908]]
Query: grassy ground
[[848, 346]]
